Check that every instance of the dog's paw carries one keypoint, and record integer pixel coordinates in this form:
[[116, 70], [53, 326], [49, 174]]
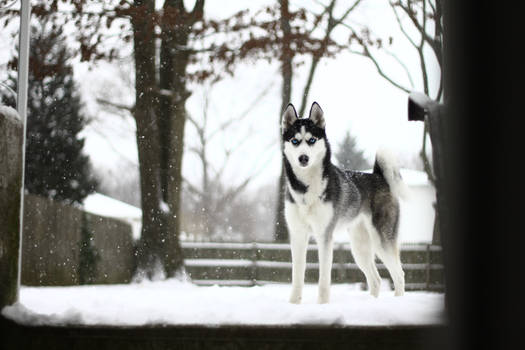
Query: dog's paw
[[295, 299], [323, 300], [296, 296], [375, 286], [399, 293], [324, 296]]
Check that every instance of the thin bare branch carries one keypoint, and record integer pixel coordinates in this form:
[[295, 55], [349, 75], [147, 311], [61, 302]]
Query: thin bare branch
[[193, 122], [347, 12], [191, 187], [114, 148], [332, 23], [228, 154], [421, 53], [423, 155], [179, 4], [200, 150], [317, 58], [115, 105], [235, 191], [316, 24], [403, 65], [198, 10], [309, 80], [244, 114], [440, 90], [366, 53], [232, 193], [433, 42], [401, 27]]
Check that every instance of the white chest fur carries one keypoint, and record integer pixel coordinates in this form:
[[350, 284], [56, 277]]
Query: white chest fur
[[316, 185], [309, 207]]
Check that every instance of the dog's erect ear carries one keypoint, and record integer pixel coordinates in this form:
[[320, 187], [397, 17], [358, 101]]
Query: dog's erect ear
[[316, 115], [289, 117]]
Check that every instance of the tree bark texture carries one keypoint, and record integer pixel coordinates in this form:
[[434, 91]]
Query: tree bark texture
[[160, 114], [281, 230], [148, 250]]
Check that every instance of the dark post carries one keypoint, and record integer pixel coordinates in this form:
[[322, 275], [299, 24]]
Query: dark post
[[11, 135], [422, 108]]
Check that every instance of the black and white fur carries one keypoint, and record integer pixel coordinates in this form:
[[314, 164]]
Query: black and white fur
[[320, 197]]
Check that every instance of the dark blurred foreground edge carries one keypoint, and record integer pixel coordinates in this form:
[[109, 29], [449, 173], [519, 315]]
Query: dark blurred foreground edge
[[485, 259], [223, 337]]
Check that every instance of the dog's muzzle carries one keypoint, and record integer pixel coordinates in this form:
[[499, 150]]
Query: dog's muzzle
[[303, 160]]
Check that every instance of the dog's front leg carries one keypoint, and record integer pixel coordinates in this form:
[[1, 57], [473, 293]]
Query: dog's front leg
[[299, 235], [299, 247], [325, 245]]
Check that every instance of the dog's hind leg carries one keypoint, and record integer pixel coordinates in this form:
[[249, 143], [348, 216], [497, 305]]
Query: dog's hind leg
[[389, 254], [361, 246]]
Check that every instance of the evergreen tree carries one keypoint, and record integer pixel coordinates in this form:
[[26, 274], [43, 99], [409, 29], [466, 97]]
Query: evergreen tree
[[55, 166], [349, 156]]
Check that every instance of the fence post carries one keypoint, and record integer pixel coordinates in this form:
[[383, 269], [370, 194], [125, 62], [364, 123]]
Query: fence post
[[12, 155], [11, 129], [422, 108], [340, 262], [255, 257], [428, 268], [21, 99]]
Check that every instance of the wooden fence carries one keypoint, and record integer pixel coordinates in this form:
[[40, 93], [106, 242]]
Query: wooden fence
[[53, 237], [248, 264], [52, 240]]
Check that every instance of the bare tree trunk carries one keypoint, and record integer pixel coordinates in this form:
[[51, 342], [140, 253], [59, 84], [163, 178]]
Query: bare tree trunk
[[147, 136], [173, 259], [161, 116], [281, 230], [174, 60], [306, 92], [172, 114]]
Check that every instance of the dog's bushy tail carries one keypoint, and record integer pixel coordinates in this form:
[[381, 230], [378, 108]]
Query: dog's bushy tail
[[386, 165]]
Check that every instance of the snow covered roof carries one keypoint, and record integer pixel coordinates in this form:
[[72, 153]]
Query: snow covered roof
[[102, 205], [99, 204]]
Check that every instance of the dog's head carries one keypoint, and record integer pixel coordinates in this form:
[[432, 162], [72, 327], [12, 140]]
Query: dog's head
[[304, 138]]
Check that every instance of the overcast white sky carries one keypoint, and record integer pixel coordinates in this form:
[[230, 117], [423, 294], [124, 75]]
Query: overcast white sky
[[353, 96]]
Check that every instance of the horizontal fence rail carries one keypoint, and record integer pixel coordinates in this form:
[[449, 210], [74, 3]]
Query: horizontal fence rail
[[249, 264]]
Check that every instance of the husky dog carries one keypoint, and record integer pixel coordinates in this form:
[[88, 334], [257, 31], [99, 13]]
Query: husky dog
[[320, 197]]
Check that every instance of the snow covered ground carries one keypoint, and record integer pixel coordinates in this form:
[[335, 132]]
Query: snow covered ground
[[176, 303]]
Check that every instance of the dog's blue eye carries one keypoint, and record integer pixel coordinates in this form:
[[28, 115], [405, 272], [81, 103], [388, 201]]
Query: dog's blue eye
[[312, 140], [295, 141]]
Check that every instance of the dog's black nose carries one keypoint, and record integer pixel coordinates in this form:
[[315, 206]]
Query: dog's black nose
[[303, 159]]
